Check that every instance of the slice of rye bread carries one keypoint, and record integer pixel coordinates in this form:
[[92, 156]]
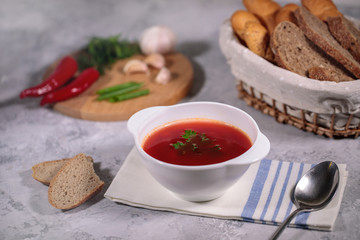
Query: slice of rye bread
[[45, 171], [318, 32], [346, 34], [294, 52], [322, 73], [75, 183]]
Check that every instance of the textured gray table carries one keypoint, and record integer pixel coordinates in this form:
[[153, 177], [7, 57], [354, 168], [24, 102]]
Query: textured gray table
[[34, 33]]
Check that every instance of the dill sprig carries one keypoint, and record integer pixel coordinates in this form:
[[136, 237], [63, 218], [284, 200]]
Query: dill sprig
[[103, 52]]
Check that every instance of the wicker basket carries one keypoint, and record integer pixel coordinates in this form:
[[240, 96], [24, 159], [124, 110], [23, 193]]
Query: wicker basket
[[282, 116], [324, 108]]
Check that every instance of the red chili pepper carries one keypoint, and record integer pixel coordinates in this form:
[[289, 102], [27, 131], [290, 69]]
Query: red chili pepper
[[63, 72], [79, 85]]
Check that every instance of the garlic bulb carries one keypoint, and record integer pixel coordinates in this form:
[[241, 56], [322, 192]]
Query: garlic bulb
[[157, 39], [135, 66], [163, 76], [155, 60]]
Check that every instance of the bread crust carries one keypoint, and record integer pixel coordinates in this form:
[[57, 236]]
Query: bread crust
[[346, 34], [286, 13], [250, 30], [256, 38], [324, 74], [265, 10], [321, 8], [37, 169], [238, 20], [317, 32], [83, 200]]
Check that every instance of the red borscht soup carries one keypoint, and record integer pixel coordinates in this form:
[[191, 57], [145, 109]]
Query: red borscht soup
[[194, 142]]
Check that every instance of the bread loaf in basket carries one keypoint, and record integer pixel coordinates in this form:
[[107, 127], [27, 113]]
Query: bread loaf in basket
[[322, 107]]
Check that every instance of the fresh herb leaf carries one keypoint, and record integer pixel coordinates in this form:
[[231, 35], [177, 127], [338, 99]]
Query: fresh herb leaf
[[178, 145], [204, 138], [195, 142], [103, 52], [188, 134], [217, 147]]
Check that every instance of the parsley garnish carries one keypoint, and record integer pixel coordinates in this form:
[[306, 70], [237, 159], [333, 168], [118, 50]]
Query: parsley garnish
[[195, 142], [178, 145], [188, 135], [217, 147], [204, 138]]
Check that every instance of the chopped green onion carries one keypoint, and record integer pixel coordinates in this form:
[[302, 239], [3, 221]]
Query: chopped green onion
[[118, 92], [117, 87], [130, 95]]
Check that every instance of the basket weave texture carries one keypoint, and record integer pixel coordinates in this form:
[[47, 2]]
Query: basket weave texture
[[282, 116]]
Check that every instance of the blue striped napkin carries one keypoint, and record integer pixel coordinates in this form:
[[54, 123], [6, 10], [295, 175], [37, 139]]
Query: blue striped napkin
[[262, 195]]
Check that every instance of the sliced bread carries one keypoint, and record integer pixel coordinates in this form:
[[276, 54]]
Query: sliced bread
[[322, 73], [294, 52], [346, 34], [45, 171], [75, 183], [321, 8], [318, 32]]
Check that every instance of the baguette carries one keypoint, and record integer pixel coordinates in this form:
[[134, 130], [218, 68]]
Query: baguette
[[45, 171], [238, 20], [321, 8], [256, 38], [317, 31], [75, 183], [250, 30], [286, 13], [294, 52], [265, 10]]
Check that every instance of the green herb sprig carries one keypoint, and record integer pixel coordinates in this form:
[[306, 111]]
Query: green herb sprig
[[103, 52], [195, 141], [187, 135]]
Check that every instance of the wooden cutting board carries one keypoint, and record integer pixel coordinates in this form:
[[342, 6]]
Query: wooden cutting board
[[86, 107]]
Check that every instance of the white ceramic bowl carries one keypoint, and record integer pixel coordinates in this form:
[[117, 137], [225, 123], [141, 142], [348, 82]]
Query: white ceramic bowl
[[198, 183]]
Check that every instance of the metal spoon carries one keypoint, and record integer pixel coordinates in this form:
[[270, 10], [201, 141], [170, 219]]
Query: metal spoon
[[314, 191]]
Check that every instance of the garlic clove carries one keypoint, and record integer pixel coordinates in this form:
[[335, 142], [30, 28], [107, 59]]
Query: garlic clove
[[155, 60], [157, 39], [135, 66], [164, 76]]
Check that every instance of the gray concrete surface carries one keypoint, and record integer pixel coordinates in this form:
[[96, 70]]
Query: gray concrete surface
[[35, 33]]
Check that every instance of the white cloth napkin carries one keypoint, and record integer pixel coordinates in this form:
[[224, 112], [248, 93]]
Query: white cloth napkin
[[262, 195]]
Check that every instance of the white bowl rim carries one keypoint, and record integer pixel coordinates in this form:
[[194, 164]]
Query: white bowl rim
[[208, 166]]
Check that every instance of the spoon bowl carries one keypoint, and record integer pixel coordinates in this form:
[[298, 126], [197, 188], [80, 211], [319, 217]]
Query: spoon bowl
[[313, 191]]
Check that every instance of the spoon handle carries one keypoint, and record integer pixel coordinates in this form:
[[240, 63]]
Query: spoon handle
[[284, 224]]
